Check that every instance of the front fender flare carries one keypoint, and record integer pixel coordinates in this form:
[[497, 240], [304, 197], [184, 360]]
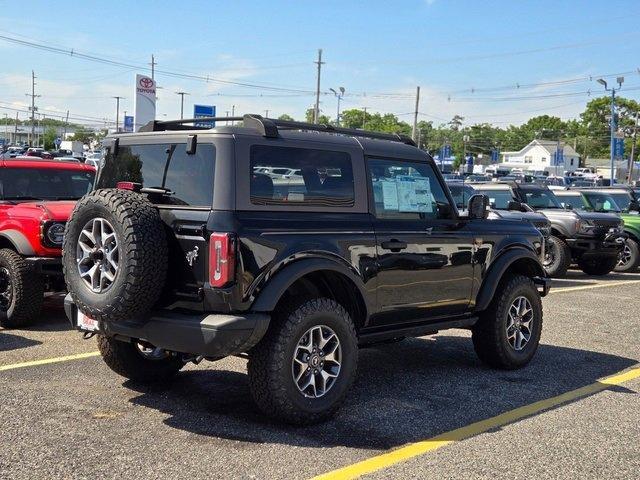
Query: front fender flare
[[498, 268], [267, 298], [19, 241]]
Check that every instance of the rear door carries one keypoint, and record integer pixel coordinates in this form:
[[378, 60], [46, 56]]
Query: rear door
[[424, 253]]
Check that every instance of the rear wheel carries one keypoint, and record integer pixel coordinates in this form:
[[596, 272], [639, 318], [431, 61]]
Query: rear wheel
[[629, 257], [508, 332], [21, 290], [138, 361], [557, 257], [301, 370], [598, 266]]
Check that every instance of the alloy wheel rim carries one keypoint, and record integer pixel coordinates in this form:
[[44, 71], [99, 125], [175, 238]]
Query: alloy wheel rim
[[625, 256], [549, 256], [317, 360], [6, 289], [519, 323], [97, 255]]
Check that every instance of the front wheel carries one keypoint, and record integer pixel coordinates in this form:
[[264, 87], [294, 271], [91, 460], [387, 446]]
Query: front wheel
[[598, 266], [557, 258], [301, 370], [629, 257], [508, 332], [21, 290], [137, 361]]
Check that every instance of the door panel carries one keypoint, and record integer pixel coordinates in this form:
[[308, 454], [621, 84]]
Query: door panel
[[424, 253]]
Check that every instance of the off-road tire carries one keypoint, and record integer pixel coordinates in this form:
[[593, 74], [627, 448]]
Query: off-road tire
[[125, 359], [634, 261], [142, 255], [270, 372], [562, 260], [27, 291], [598, 266], [489, 335]]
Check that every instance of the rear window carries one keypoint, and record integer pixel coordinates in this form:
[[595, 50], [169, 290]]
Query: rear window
[[44, 183], [188, 177], [300, 176]]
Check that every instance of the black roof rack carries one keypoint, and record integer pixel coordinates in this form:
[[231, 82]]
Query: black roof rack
[[268, 127]]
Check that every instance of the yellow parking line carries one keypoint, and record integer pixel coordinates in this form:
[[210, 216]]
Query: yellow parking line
[[589, 287], [47, 361], [412, 450]]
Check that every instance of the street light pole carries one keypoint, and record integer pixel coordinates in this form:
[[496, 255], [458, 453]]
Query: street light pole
[[182, 94], [612, 123], [118, 112], [339, 96]]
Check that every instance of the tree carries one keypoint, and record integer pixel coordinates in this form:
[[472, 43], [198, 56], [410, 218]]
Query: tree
[[49, 138], [456, 122], [323, 119], [84, 135], [286, 117], [596, 124]]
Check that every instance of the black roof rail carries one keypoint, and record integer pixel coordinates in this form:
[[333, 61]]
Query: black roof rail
[[268, 127]]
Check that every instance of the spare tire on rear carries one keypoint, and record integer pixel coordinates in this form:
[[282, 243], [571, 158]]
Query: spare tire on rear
[[115, 255]]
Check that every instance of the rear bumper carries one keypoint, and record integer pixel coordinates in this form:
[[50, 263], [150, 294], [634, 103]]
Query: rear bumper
[[206, 334], [46, 265]]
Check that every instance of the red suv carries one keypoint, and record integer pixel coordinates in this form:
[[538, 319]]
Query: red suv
[[36, 199]]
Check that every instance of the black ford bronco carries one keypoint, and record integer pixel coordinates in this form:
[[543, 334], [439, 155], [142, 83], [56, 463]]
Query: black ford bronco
[[292, 244]]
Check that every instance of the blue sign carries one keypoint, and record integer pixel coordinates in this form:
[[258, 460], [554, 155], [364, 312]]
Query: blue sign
[[558, 157], [445, 151], [57, 142], [494, 155], [128, 123], [204, 111], [618, 147]]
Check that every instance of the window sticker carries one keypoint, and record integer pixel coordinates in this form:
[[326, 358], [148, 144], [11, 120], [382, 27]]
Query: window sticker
[[414, 194], [389, 195]]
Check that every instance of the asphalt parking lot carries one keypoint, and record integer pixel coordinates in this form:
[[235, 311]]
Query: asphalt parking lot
[[73, 418]]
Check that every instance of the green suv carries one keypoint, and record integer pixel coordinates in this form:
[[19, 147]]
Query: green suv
[[611, 200]]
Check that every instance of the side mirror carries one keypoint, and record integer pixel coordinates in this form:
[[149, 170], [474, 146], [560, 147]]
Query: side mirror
[[514, 205], [634, 206], [478, 207], [566, 206]]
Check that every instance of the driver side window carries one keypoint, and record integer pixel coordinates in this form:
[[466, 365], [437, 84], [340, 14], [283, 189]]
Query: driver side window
[[407, 190]]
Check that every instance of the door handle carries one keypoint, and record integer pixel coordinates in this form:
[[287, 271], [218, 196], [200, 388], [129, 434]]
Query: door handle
[[394, 245]]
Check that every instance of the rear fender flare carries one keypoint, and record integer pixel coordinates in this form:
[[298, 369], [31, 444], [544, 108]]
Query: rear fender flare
[[497, 270], [266, 299]]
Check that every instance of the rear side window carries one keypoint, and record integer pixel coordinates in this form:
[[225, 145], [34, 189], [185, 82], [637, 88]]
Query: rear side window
[[188, 177], [300, 176], [44, 184]]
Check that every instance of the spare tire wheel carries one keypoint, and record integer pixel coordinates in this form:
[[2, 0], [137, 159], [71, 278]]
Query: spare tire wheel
[[115, 255]]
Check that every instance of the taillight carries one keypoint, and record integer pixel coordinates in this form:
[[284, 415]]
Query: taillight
[[134, 187], [222, 259]]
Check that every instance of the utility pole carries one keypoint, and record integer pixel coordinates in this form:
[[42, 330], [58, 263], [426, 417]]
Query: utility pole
[[66, 125], [316, 111], [33, 105], [266, 114], [6, 127], [633, 148], [118, 112], [233, 113], [414, 133], [15, 130], [153, 67], [364, 117], [182, 94], [612, 123]]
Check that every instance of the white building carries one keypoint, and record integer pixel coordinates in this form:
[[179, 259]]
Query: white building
[[539, 155]]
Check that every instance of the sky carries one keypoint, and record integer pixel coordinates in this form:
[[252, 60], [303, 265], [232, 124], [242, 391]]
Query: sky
[[500, 62]]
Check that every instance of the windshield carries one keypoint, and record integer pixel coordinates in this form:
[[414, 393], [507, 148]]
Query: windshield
[[498, 199], [623, 200], [573, 199], [602, 202], [44, 183], [541, 199]]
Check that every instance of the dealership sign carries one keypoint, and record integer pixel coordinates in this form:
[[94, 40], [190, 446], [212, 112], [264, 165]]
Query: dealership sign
[[145, 103]]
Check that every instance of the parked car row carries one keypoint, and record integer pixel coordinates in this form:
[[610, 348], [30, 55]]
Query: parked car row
[[597, 230]]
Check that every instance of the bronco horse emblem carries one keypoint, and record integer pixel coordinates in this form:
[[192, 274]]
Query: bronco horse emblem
[[192, 255]]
